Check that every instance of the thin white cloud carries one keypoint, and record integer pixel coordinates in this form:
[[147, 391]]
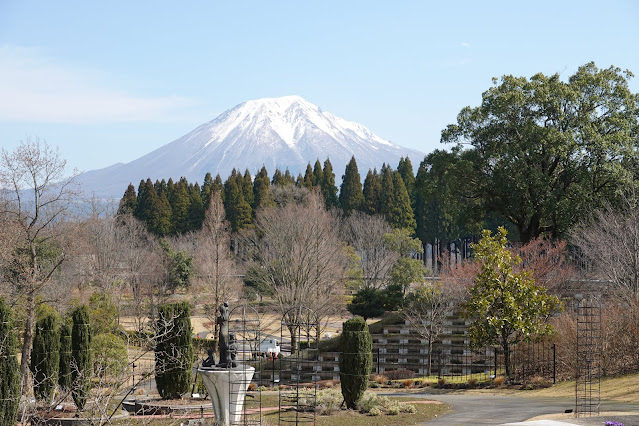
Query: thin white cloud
[[35, 88], [465, 44]]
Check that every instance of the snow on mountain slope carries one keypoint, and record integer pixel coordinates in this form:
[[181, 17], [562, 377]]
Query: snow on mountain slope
[[286, 132]]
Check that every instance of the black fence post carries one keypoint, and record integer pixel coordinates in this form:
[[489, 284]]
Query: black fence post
[[495, 358], [554, 363], [378, 370]]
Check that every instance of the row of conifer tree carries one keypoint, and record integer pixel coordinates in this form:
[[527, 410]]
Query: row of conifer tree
[[168, 207]]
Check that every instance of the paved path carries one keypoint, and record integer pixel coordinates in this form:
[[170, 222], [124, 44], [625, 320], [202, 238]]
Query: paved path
[[477, 409]]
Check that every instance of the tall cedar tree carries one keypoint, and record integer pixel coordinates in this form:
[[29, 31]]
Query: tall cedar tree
[[308, 177], [247, 187], [129, 201], [45, 354], [329, 190], [278, 178], [81, 370], [405, 169], [351, 196], [400, 214], [318, 174], [355, 360], [262, 195], [152, 209], [238, 211], [372, 190], [174, 350], [288, 178], [195, 212], [179, 201], [207, 187], [9, 369]]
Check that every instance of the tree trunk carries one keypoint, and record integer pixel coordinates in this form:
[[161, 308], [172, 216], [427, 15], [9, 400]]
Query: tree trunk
[[430, 356], [506, 348]]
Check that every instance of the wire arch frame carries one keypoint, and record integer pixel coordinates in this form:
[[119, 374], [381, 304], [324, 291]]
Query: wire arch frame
[[299, 362], [244, 326]]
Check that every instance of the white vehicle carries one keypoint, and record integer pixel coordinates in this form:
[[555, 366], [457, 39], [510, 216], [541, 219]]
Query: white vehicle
[[268, 346]]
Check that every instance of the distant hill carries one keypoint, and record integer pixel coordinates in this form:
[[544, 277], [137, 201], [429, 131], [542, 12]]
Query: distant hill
[[286, 132]]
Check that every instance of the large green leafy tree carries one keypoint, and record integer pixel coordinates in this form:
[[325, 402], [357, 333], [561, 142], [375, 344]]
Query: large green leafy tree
[[355, 360], [505, 306], [406, 269], [174, 350], [178, 267], [81, 356], [45, 354], [548, 150], [351, 196], [9, 369]]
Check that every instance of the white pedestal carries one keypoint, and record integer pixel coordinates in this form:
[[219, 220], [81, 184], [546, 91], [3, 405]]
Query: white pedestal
[[227, 388]]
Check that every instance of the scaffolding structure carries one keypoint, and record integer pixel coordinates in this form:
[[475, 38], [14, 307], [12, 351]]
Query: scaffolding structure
[[299, 363], [244, 326], [588, 374]]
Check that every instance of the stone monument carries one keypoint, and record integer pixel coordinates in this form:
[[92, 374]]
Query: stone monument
[[226, 381]]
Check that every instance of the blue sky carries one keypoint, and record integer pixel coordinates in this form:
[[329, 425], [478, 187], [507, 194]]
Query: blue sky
[[107, 82]]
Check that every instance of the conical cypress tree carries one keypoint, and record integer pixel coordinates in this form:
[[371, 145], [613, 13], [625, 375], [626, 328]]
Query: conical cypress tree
[[262, 195], [405, 169], [9, 369], [195, 212], [129, 201], [288, 178], [308, 177], [386, 194], [278, 178], [355, 360], [45, 355], [372, 190], [329, 190], [141, 208], [247, 187], [207, 186], [351, 196], [179, 201], [318, 174], [401, 214], [65, 379], [81, 370], [238, 211], [174, 350]]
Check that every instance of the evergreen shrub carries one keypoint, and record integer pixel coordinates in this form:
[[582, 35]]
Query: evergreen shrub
[[45, 355], [81, 356], [9, 369], [355, 360], [174, 350]]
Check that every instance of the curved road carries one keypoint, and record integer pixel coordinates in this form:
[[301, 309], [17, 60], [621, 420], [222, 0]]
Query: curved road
[[477, 409]]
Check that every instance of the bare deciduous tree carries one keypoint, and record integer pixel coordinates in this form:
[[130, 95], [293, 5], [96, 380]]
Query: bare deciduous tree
[[36, 197], [216, 271], [426, 309], [365, 233], [297, 252]]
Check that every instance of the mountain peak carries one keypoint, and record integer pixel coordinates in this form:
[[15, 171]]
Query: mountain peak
[[285, 132]]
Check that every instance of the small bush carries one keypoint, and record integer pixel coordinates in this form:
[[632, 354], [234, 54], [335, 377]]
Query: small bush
[[408, 383], [252, 387], [375, 412], [499, 380], [394, 410], [441, 382], [472, 381], [328, 401], [380, 379], [408, 408]]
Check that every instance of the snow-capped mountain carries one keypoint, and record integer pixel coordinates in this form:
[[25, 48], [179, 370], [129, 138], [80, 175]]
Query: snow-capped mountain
[[286, 132]]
